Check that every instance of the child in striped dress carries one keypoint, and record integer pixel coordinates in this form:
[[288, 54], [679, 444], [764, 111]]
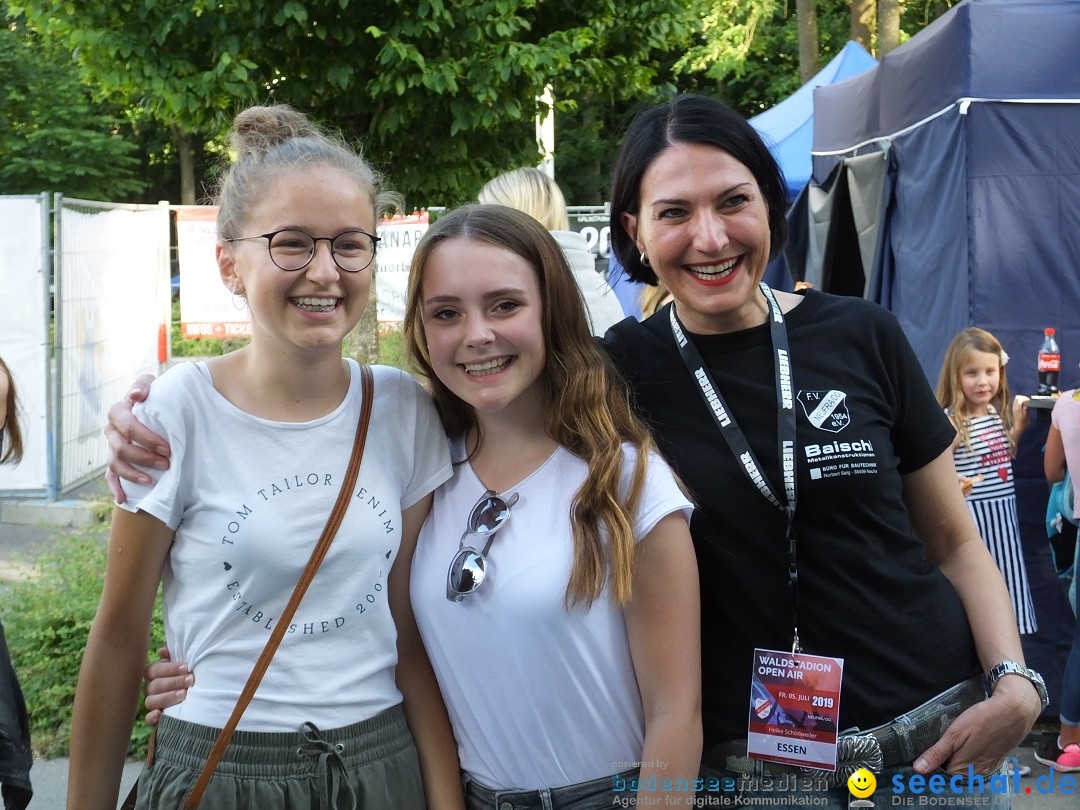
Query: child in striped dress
[[975, 394]]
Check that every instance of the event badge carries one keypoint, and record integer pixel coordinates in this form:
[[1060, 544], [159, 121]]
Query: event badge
[[795, 708]]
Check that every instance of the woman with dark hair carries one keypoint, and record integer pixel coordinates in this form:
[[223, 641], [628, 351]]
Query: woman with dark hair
[[829, 521]]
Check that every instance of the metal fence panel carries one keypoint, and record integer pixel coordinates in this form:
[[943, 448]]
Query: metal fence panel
[[112, 318]]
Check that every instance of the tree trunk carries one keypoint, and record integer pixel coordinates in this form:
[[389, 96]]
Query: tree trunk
[[187, 165], [362, 343], [888, 26], [863, 13], [808, 39]]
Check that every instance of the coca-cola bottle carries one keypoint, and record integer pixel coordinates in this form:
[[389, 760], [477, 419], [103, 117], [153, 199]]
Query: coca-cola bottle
[[1049, 364]]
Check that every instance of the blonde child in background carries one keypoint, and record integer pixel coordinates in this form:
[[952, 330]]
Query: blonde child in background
[[975, 394]]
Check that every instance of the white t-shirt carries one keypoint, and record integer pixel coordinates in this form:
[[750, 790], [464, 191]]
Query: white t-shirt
[[538, 696], [248, 499]]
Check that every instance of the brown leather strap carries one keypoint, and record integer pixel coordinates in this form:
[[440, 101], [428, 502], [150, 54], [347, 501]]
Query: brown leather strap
[[194, 794]]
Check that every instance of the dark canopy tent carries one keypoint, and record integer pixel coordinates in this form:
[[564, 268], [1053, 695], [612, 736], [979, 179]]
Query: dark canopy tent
[[788, 127], [954, 171], [946, 186]]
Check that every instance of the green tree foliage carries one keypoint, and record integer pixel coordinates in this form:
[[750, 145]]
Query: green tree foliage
[[442, 92], [53, 136], [181, 64], [471, 82], [749, 49]]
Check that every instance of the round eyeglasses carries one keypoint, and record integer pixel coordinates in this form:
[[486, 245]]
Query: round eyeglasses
[[293, 249], [468, 569]]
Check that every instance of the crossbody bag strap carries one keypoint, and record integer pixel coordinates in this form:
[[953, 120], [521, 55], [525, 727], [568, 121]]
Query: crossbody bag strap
[[194, 795]]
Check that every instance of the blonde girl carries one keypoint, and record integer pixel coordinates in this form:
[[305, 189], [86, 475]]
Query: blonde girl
[[974, 391], [260, 440]]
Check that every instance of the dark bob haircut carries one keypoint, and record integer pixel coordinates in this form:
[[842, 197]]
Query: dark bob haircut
[[690, 119]]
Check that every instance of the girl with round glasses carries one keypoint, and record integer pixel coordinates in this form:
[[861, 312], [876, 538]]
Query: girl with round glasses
[[549, 579], [259, 447]]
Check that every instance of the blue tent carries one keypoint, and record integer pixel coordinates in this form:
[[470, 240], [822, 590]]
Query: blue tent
[[947, 188], [788, 127], [957, 162]]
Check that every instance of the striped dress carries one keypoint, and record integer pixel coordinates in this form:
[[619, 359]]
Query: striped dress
[[993, 505]]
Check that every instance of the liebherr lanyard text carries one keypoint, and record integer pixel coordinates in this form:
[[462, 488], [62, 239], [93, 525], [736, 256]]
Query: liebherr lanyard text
[[736, 439]]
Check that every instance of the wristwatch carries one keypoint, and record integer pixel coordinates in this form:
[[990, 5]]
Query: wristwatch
[[1013, 668]]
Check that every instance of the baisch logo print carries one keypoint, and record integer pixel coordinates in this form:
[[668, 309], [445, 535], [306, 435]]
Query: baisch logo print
[[826, 410]]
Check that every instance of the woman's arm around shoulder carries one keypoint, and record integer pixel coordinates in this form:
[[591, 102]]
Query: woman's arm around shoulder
[[663, 619], [132, 444], [985, 733], [424, 709]]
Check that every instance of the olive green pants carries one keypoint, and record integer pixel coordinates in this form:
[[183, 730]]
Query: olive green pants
[[369, 765]]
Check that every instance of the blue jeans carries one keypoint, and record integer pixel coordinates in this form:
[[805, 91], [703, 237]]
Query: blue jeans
[[597, 794], [724, 788]]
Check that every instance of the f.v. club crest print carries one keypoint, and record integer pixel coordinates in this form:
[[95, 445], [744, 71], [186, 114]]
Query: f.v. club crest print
[[826, 410]]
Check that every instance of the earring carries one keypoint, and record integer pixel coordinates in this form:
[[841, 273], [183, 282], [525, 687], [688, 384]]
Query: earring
[[239, 301], [645, 259]]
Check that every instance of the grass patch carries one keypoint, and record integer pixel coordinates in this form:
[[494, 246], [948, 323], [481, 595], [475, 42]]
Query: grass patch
[[46, 621]]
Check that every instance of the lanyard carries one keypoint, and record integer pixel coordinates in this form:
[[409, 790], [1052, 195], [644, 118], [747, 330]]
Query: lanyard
[[736, 439]]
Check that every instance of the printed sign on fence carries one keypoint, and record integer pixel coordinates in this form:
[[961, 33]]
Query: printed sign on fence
[[398, 236], [207, 309]]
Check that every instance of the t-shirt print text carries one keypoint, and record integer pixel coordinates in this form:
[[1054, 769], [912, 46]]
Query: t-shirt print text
[[828, 411]]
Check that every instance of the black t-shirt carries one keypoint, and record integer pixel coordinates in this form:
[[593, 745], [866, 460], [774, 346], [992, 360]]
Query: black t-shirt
[[866, 593]]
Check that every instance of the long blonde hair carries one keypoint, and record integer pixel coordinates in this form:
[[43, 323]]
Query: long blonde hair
[[950, 392], [589, 413]]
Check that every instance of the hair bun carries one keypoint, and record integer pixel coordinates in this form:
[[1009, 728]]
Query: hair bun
[[257, 130]]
